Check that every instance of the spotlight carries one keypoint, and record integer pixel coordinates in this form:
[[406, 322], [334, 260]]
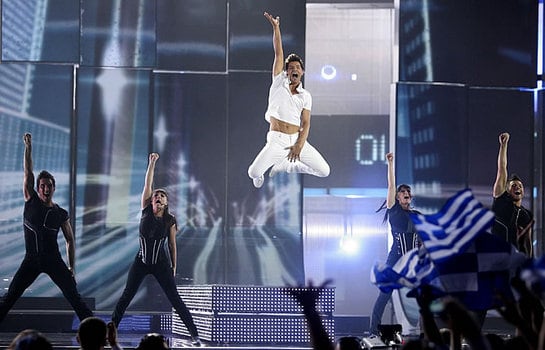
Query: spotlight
[[349, 245], [328, 72]]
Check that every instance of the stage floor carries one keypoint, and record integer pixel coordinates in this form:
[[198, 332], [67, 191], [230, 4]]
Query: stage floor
[[130, 341]]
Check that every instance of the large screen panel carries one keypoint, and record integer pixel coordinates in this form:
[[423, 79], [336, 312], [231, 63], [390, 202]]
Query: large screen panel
[[118, 33], [190, 134], [264, 245], [348, 59], [40, 31], [481, 43], [112, 156], [355, 150], [431, 141], [250, 33], [192, 35], [28, 106], [491, 112]]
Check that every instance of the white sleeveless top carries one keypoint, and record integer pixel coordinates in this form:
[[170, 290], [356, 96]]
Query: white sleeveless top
[[285, 106]]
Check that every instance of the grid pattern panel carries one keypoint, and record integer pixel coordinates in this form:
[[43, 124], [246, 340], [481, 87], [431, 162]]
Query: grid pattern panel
[[252, 329], [251, 299], [251, 314]]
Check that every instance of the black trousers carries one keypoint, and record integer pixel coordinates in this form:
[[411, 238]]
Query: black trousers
[[382, 299], [54, 266], [163, 274]]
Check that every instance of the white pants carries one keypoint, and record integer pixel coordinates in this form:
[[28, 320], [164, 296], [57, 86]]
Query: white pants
[[276, 152]]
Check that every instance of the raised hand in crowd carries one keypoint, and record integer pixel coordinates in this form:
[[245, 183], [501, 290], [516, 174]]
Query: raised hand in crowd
[[308, 298], [526, 314], [462, 324], [429, 326]]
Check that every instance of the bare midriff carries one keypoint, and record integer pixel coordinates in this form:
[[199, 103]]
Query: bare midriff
[[283, 127]]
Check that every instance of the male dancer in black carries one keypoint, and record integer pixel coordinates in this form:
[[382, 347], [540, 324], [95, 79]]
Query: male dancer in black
[[158, 230], [513, 222], [42, 220], [398, 207]]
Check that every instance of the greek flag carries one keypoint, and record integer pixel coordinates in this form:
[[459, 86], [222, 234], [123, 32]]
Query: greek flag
[[454, 227], [457, 257], [411, 270]]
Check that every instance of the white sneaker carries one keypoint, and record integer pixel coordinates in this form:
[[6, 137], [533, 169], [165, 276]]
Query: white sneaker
[[258, 181]]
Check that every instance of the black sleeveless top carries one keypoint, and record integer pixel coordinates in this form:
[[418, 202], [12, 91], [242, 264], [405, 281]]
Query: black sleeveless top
[[509, 218], [154, 233], [41, 226], [403, 229]]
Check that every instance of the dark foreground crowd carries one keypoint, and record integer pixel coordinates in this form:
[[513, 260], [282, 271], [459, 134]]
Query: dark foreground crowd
[[93, 334], [450, 326]]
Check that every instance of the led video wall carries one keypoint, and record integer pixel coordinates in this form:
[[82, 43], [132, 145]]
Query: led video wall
[[102, 83], [479, 43], [100, 91]]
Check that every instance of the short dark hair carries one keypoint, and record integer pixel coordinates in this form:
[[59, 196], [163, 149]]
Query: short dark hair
[[44, 174], [162, 190], [30, 339], [152, 341], [349, 343], [403, 187], [514, 177], [293, 58], [92, 333]]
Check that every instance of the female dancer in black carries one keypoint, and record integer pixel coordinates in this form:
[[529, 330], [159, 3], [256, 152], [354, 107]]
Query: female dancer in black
[[158, 230], [398, 207]]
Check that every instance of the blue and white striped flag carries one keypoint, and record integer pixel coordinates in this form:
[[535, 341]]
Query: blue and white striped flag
[[412, 270], [458, 257], [452, 229], [478, 275]]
